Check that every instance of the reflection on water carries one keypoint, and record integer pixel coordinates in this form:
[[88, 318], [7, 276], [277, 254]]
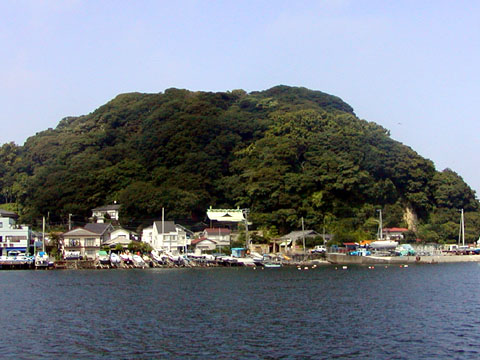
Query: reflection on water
[[420, 312]]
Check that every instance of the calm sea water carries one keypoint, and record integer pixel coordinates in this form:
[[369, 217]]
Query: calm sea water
[[419, 312]]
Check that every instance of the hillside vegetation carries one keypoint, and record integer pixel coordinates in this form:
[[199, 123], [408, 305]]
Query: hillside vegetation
[[285, 153]]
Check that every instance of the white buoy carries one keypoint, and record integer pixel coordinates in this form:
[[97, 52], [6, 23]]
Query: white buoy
[[344, 267]]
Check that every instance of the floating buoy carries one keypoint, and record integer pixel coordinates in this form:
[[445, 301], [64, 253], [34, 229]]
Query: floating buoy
[[299, 268], [305, 268], [405, 265], [344, 267], [336, 268]]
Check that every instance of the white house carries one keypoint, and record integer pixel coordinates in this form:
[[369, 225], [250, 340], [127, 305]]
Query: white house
[[81, 242], [14, 238], [221, 236], [101, 212], [202, 244], [120, 236], [166, 236], [394, 233]]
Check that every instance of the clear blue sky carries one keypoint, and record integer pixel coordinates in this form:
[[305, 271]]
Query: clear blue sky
[[411, 66]]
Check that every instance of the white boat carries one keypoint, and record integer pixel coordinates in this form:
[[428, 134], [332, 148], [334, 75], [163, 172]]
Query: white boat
[[383, 244], [138, 261], [126, 258], [272, 265], [114, 259], [103, 257], [245, 261], [42, 260]]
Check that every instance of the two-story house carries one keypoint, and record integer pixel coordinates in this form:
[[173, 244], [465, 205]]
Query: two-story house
[[81, 243], [102, 229], [14, 238], [221, 236], [166, 236], [106, 212]]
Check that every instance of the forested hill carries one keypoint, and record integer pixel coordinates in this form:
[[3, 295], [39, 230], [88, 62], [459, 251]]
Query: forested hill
[[285, 153]]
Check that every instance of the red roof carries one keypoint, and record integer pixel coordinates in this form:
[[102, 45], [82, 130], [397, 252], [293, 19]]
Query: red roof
[[213, 231], [350, 244], [196, 241], [395, 229]]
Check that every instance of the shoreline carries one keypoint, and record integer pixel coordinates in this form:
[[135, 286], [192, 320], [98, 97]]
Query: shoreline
[[342, 259]]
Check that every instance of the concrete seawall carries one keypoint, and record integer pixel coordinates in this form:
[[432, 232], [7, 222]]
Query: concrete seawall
[[343, 259]]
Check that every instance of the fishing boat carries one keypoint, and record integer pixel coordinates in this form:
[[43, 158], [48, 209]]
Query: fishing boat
[[42, 260]]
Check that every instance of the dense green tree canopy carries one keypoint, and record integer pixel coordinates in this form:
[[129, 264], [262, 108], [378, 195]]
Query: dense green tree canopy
[[285, 153]]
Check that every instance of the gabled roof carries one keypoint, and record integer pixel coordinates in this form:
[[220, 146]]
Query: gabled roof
[[9, 214], [169, 226], [99, 228], [199, 240], [299, 234], [79, 232], [108, 207]]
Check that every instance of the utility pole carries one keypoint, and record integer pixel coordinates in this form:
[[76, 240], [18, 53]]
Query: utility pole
[[461, 231], [43, 235], [69, 222], [303, 235], [247, 240]]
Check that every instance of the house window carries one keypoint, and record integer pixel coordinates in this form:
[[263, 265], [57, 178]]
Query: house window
[[15, 238], [1, 238], [73, 242], [90, 242], [1, 225]]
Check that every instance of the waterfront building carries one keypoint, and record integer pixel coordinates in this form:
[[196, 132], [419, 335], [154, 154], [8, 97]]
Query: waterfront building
[[294, 238], [221, 236], [80, 243], [394, 233], [14, 238], [104, 230], [203, 244], [120, 236], [166, 236]]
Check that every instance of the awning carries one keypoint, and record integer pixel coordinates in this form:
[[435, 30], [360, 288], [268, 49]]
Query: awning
[[16, 248]]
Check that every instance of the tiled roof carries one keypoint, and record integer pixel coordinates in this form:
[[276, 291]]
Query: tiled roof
[[199, 240], [169, 226], [10, 214], [107, 207], [97, 228], [79, 232]]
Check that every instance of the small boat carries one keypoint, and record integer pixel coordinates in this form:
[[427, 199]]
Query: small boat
[[115, 259], [103, 257], [272, 265], [138, 262], [42, 260], [127, 259]]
